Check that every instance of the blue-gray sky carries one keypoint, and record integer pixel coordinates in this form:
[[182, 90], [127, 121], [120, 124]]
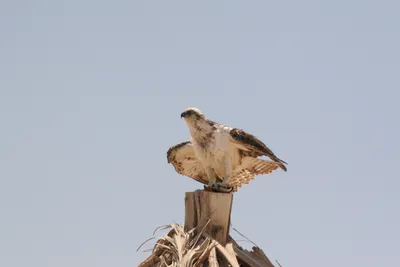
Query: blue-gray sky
[[90, 99]]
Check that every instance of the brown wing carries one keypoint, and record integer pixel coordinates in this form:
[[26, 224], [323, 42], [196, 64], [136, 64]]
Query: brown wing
[[249, 142], [182, 157], [248, 168]]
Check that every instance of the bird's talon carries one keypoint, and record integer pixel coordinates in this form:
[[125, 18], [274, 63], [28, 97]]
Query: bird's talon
[[208, 188], [226, 188]]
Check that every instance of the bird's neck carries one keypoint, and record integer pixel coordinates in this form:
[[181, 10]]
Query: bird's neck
[[199, 130]]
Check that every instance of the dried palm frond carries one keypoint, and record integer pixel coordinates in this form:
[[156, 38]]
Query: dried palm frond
[[195, 248], [181, 248]]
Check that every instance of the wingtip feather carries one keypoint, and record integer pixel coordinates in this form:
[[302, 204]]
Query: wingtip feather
[[283, 167]]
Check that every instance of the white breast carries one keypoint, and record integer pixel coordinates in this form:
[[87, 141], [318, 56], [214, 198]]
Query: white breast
[[215, 152]]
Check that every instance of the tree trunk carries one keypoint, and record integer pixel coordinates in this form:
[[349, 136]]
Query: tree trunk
[[209, 212]]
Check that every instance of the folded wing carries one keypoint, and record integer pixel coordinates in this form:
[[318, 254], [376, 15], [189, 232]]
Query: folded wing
[[250, 143]]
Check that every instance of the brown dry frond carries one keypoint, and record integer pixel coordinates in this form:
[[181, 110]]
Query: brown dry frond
[[181, 248], [195, 248]]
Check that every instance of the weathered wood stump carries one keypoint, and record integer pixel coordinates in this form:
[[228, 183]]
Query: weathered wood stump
[[209, 212], [208, 215]]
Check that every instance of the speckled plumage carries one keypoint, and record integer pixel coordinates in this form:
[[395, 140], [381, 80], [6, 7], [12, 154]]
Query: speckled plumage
[[220, 154]]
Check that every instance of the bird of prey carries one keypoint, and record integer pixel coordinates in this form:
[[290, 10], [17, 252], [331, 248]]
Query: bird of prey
[[219, 156]]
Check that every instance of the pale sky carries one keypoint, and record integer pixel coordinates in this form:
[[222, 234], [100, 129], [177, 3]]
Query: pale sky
[[90, 99]]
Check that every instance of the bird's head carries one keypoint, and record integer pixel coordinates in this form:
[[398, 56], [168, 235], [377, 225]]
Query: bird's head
[[192, 114]]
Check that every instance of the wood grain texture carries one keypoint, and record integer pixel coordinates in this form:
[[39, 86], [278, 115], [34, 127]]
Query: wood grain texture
[[209, 211], [212, 259], [254, 258]]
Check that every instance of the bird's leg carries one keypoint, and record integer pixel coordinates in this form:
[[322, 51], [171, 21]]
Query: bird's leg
[[225, 187], [212, 178], [228, 170]]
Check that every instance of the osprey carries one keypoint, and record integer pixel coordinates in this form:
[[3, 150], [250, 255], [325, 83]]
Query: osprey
[[222, 157]]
